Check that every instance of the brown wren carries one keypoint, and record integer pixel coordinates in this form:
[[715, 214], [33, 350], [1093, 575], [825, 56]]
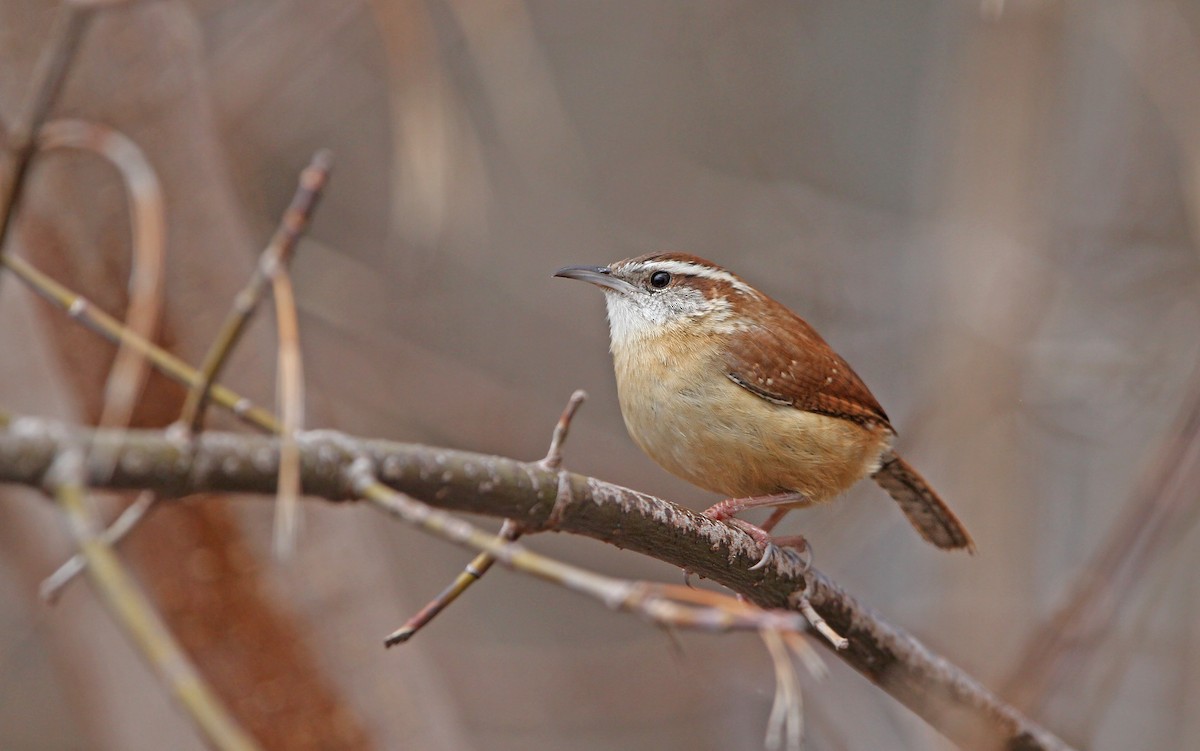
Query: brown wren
[[728, 389]]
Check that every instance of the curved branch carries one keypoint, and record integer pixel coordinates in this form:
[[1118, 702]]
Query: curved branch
[[148, 225], [949, 699]]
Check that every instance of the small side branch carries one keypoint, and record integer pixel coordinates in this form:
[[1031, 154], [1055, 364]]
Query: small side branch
[[53, 585], [509, 532], [666, 605]]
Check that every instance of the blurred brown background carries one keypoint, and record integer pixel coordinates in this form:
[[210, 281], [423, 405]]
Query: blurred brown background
[[990, 211]]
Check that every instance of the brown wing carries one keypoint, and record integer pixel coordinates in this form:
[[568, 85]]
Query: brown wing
[[791, 364]]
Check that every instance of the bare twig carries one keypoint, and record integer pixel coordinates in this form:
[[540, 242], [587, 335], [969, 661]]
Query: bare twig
[[87, 313], [134, 611], [663, 604], [800, 601], [510, 532], [290, 391], [554, 455], [272, 269], [69, 26], [147, 219], [947, 698], [278, 252], [787, 710], [148, 223], [52, 586]]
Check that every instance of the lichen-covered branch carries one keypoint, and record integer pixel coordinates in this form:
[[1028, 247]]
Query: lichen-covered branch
[[542, 499]]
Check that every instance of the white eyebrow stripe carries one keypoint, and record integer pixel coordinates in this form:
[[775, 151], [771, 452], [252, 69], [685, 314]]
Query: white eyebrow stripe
[[695, 269]]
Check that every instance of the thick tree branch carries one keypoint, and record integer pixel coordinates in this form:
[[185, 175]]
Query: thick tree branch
[[950, 700]]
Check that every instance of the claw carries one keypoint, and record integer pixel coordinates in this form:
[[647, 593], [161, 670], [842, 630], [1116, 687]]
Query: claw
[[770, 550], [795, 549], [798, 549]]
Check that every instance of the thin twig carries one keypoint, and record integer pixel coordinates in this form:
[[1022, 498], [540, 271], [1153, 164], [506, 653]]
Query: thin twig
[[21, 139], [148, 223], [665, 605], [52, 586], [279, 251], [290, 391], [89, 314], [133, 610], [510, 531], [147, 220], [562, 428], [800, 601], [787, 710]]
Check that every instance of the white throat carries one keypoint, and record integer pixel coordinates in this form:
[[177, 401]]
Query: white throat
[[629, 322], [636, 317]]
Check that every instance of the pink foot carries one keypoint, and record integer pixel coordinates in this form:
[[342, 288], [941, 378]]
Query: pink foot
[[795, 547]]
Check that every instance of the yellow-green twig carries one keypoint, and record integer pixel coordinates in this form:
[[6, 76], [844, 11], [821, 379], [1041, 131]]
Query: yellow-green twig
[[290, 391], [125, 600], [85, 311], [470, 574]]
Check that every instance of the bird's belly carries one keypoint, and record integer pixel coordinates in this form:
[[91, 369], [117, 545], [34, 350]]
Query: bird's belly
[[704, 428]]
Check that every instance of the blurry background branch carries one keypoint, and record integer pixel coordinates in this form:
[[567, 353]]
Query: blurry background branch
[[147, 221]]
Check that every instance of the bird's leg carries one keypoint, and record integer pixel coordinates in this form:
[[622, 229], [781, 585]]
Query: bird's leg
[[775, 517], [725, 512], [731, 507]]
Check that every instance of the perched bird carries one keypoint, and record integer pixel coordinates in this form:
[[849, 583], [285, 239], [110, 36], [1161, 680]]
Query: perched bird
[[728, 389]]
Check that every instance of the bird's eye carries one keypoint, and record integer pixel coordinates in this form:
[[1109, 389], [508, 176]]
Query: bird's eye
[[659, 279]]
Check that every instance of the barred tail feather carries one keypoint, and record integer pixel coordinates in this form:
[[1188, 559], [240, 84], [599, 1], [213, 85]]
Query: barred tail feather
[[928, 514]]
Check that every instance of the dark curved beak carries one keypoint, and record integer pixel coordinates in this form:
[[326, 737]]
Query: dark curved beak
[[601, 276]]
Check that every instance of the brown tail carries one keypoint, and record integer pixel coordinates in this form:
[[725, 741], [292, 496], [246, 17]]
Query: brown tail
[[931, 517]]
